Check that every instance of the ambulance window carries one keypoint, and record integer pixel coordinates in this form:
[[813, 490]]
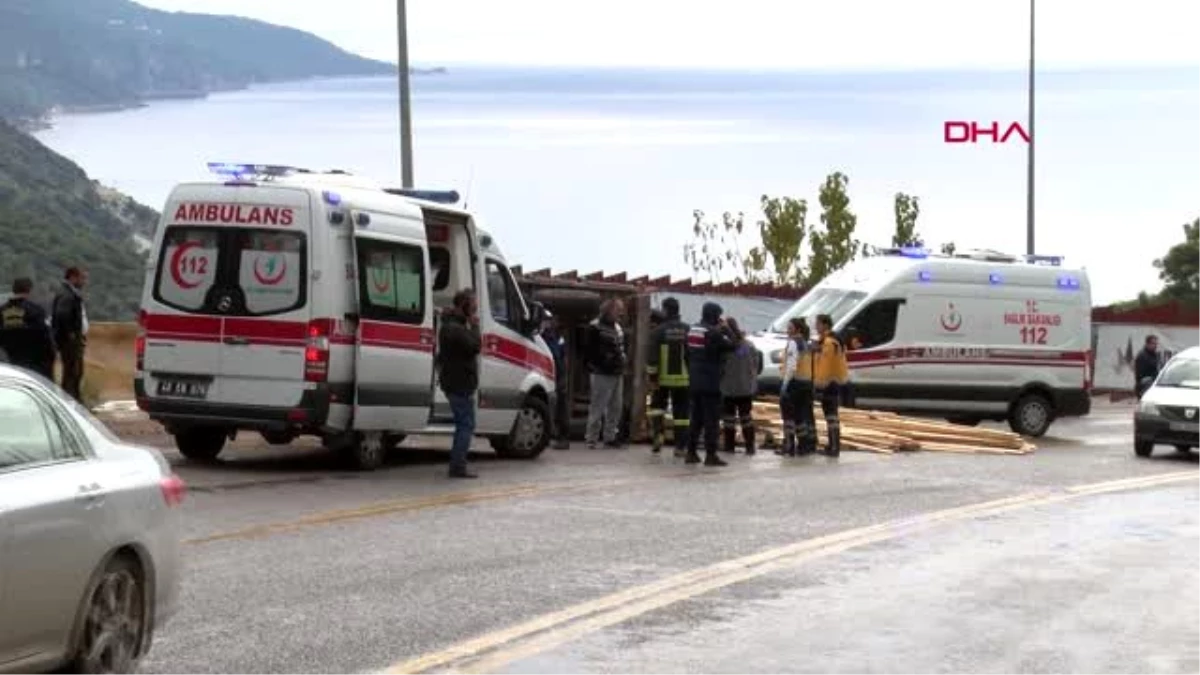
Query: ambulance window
[[271, 270], [439, 264], [391, 281], [875, 325], [187, 267], [503, 297]]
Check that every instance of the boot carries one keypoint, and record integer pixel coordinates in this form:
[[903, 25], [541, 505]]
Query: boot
[[656, 434], [730, 436], [711, 459], [682, 434], [835, 440], [692, 457], [748, 437], [808, 441]]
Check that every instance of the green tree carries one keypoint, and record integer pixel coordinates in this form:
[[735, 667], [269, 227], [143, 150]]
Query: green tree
[[906, 208], [715, 248], [782, 232], [1180, 267], [833, 245]]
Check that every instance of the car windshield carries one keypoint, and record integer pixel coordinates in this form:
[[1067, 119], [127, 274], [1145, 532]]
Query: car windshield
[[1183, 373], [835, 302]]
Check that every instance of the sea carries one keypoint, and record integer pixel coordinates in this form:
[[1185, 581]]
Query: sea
[[603, 170]]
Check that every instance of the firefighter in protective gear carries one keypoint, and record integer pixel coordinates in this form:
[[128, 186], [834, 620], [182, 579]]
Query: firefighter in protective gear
[[666, 365], [830, 374]]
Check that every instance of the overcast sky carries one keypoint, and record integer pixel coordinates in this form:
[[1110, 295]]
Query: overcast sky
[[868, 34]]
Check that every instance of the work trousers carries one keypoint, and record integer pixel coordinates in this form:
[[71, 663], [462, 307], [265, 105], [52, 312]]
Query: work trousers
[[462, 407], [604, 407], [562, 412], [677, 398], [830, 397], [706, 420], [71, 352], [735, 412], [799, 427]]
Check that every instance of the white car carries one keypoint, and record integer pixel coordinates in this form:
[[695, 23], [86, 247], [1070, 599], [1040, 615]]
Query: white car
[[1169, 411], [89, 536]]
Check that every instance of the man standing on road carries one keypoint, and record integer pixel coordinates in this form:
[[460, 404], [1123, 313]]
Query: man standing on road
[[1146, 366], [666, 365], [458, 371], [562, 402], [606, 361], [70, 327], [25, 331], [830, 373], [708, 343]]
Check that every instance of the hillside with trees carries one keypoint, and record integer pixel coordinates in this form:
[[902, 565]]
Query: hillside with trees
[[53, 217], [95, 54]]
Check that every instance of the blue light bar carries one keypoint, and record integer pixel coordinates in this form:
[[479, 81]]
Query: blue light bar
[[1053, 260], [436, 196], [994, 278], [331, 198], [914, 252], [1069, 283], [239, 170], [924, 275]]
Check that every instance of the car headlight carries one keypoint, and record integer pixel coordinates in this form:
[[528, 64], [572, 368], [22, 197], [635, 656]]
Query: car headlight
[[1147, 408], [777, 356]]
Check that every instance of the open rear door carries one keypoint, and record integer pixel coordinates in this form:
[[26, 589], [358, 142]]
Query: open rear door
[[394, 353]]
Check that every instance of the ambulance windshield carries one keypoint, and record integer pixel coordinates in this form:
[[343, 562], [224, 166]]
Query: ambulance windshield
[[835, 302]]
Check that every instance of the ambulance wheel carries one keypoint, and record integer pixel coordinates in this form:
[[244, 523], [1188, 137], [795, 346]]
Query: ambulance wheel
[[278, 437], [1031, 415], [362, 451], [530, 433], [200, 444]]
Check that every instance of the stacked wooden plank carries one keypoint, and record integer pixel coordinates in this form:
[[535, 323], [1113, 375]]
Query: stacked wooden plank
[[883, 432]]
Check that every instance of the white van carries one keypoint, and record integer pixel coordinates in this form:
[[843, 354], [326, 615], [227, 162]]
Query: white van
[[294, 303], [976, 336]]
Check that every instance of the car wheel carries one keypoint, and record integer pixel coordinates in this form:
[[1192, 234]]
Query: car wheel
[[1143, 448], [1031, 415], [1183, 448], [201, 444], [964, 421], [392, 441], [530, 433], [113, 621], [278, 437], [365, 451]]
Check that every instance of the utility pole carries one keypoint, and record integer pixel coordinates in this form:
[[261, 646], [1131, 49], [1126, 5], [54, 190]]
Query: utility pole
[[1029, 240], [406, 153]]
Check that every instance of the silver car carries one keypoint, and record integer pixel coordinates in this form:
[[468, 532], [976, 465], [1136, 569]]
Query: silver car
[[89, 536]]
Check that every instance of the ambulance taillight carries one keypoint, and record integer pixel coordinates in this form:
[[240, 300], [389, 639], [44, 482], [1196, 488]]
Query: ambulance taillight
[[316, 352]]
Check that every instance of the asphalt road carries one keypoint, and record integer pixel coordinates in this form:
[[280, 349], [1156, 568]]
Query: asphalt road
[[620, 561]]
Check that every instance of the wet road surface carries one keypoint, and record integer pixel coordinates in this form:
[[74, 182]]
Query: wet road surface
[[295, 566]]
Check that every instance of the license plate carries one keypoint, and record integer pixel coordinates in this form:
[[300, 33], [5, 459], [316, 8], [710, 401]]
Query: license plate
[[183, 388], [1185, 426]]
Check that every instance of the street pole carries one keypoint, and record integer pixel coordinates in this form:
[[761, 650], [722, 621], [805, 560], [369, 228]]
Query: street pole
[[406, 153], [1029, 241]]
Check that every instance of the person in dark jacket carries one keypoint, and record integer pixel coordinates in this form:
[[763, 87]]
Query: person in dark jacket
[[458, 373], [1146, 366], [708, 343], [562, 401], [69, 326], [25, 331], [606, 360], [666, 365], [739, 383]]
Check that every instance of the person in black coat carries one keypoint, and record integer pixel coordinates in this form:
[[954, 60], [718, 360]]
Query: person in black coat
[[459, 345], [25, 331], [1146, 366], [70, 326], [708, 343], [562, 396]]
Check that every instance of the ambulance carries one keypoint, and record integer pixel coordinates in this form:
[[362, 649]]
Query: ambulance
[[287, 302], [975, 336]]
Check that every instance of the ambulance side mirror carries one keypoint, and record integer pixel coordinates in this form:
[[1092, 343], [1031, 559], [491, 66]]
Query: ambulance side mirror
[[537, 314]]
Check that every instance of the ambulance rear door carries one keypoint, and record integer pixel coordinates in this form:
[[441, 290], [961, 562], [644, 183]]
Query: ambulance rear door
[[395, 342]]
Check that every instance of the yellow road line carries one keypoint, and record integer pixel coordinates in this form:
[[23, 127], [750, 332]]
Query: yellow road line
[[494, 650]]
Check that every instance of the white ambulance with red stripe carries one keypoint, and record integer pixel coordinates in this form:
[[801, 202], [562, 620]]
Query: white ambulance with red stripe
[[975, 336], [288, 303]]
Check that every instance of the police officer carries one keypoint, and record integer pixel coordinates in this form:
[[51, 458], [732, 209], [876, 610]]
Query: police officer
[[666, 365], [830, 374], [562, 402], [708, 343], [25, 331]]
